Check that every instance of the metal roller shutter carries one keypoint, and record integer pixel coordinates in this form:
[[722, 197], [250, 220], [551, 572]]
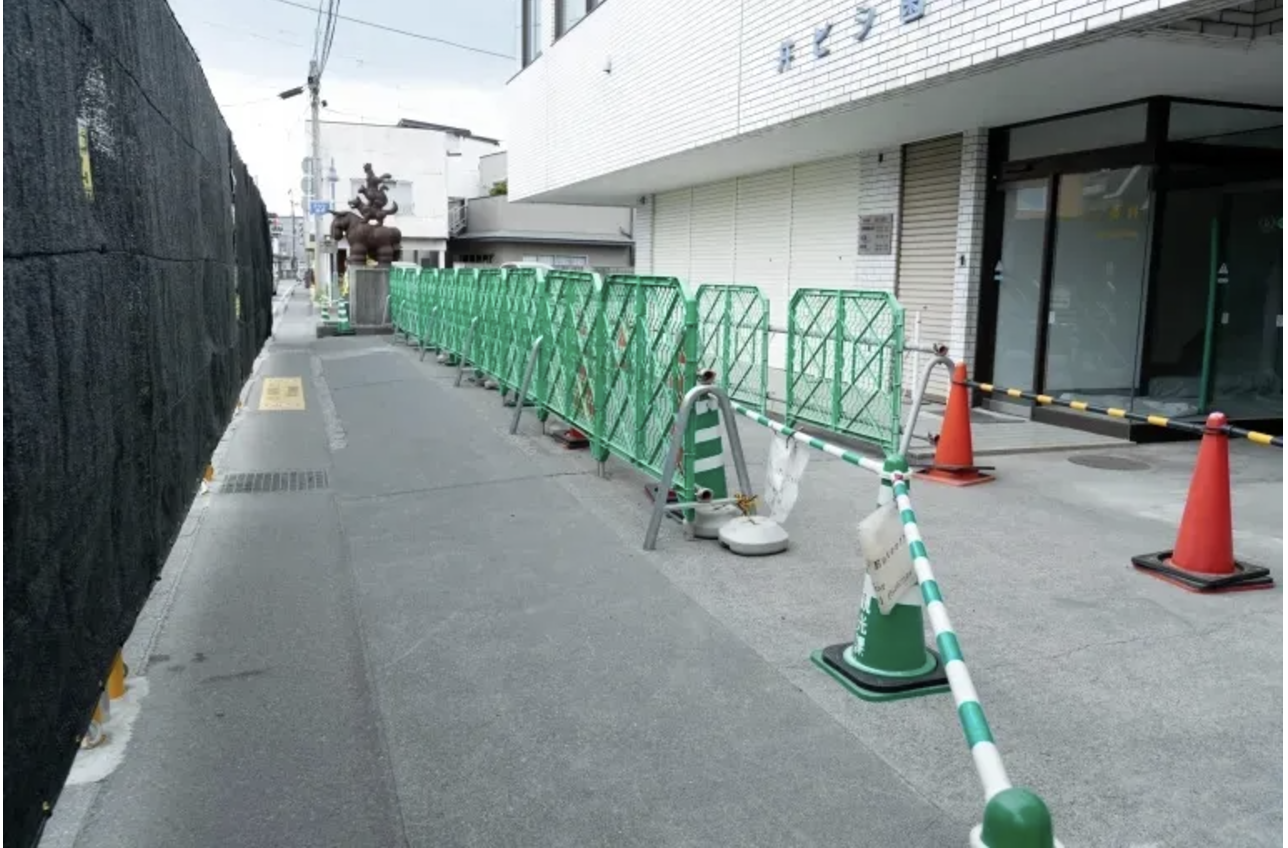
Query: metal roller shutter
[[825, 224], [928, 244], [671, 214], [711, 233], [763, 247]]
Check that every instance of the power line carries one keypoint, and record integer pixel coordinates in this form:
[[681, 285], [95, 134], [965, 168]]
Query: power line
[[416, 35]]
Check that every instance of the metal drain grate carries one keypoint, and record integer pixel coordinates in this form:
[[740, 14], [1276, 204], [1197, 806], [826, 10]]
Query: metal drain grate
[[1106, 462], [264, 482]]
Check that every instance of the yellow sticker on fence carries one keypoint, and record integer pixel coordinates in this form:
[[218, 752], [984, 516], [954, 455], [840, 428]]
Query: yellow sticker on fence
[[87, 173], [282, 394]]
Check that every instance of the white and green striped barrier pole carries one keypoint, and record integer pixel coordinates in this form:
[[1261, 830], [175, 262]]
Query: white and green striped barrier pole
[[858, 459], [1013, 817]]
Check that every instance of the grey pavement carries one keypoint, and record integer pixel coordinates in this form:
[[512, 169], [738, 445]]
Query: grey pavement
[[461, 642]]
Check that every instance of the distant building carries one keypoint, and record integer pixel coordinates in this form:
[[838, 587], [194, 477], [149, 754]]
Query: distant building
[[497, 230], [435, 168], [290, 253]]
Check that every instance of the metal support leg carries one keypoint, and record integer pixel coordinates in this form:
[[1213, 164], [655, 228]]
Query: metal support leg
[[730, 423], [528, 371], [424, 346], [939, 359], [466, 350]]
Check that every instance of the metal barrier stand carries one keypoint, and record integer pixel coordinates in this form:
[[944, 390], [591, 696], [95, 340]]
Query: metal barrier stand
[[1013, 818], [660, 505]]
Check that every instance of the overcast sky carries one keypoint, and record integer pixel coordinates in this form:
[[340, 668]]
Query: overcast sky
[[253, 49]]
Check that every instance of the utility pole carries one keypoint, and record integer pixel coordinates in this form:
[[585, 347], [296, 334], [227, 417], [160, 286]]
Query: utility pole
[[297, 230], [315, 84]]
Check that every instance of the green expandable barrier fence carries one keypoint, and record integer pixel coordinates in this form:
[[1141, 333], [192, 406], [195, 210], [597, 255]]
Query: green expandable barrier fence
[[648, 362], [733, 340], [524, 322], [426, 288], [398, 278], [572, 304], [845, 363], [617, 355], [487, 338]]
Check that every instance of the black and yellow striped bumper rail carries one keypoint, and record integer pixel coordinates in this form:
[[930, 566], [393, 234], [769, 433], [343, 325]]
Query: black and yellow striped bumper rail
[[1113, 412]]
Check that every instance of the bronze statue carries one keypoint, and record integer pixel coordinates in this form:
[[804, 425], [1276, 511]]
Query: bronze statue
[[365, 226]]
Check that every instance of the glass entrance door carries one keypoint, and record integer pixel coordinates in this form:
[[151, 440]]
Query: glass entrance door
[[1018, 277], [1247, 353], [1097, 286]]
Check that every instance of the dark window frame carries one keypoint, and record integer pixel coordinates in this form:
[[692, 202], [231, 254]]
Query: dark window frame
[[1155, 152]]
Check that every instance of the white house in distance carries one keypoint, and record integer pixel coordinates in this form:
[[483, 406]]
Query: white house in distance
[[1053, 185], [496, 231], [436, 168]]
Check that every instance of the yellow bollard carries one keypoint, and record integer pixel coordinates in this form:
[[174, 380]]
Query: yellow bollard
[[116, 678]]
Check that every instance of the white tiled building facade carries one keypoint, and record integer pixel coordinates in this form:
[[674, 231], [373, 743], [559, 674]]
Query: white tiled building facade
[[755, 137]]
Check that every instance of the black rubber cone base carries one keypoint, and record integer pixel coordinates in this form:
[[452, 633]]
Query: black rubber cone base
[[871, 687], [1245, 577]]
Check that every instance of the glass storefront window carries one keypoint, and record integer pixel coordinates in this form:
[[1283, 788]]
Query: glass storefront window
[[532, 30], [1097, 285], [570, 12], [1018, 277], [1110, 128], [1204, 123]]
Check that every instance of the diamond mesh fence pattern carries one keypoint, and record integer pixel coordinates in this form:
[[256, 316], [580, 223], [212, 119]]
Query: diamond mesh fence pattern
[[845, 363], [523, 306], [488, 332], [573, 301], [733, 339]]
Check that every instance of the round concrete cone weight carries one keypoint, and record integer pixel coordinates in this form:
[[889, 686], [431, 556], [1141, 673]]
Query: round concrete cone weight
[[753, 535], [708, 520], [1015, 818]]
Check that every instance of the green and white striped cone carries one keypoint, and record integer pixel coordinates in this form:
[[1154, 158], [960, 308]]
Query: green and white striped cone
[[709, 478], [342, 315], [888, 658], [708, 449]]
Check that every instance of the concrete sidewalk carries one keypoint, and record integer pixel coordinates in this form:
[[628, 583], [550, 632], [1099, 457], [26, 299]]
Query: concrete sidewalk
[[457, 640]]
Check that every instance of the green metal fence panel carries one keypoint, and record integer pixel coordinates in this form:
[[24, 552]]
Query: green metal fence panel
[[650, 359], [523, 306], [428, 295], [733, 340], [845, 363], [489, 331], [572, 302], [397, 299]]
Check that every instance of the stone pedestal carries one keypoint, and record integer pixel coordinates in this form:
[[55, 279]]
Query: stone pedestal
[[369, 300]]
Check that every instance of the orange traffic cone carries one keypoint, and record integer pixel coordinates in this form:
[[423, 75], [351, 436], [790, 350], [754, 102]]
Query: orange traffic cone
[[954, 454], [1203, 558]]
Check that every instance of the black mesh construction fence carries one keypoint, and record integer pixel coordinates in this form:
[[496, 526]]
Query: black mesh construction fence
[[137, 293]]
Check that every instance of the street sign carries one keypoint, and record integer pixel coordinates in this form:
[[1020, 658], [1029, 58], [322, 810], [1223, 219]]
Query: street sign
[[319, 207], [306, 186], [305, 165]]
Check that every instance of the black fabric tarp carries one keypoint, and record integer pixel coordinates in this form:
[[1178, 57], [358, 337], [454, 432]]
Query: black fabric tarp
[[133, 314]]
